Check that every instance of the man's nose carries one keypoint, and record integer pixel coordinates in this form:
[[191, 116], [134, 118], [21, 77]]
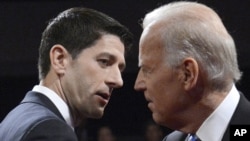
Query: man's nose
[[139, 83], [115, 79]]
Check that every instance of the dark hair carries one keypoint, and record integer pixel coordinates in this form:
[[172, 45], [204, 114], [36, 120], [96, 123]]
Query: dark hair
[[76, 29]]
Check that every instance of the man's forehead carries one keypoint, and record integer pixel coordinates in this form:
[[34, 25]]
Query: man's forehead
[[150, 53], [150, 56], [151, 46]]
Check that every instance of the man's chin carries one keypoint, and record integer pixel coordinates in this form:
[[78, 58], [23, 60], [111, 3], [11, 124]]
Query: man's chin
[[97, 115]]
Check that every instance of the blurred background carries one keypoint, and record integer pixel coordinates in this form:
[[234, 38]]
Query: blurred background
[[22, 23]]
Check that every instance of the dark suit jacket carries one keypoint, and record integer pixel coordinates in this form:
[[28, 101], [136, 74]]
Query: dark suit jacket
[[241, 116], [35, 118]]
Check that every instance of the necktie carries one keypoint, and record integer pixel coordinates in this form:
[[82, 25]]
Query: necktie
[[193, 137]]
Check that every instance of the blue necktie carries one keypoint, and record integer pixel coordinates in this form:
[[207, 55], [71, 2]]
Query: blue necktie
[[193, 137]]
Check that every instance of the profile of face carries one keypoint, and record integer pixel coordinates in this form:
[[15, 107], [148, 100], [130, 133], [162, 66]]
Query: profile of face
[[105, 134], [159, 82], [89, 79]]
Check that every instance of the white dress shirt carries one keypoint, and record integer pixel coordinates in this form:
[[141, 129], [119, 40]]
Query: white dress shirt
[[216, 124], [57, 100]]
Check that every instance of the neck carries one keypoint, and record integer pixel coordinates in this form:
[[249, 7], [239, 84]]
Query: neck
[[201, 109]]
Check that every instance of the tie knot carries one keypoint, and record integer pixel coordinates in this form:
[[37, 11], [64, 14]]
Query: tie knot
[[193, 137]]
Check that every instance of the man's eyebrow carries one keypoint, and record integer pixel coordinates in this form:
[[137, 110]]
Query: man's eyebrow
[[122, 66], [107, 54]]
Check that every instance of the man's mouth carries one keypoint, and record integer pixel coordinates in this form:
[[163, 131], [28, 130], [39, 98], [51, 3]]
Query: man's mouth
[[105, 96]]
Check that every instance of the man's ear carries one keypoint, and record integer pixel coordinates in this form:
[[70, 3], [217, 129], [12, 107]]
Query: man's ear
[[190, 70], [59, 58]]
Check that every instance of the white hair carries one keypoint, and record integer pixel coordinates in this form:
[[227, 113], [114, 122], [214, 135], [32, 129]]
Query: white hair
[[191, 29]]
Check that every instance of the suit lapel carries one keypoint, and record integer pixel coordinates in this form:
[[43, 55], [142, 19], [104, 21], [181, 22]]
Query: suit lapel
[[240, 116], [38, 98]]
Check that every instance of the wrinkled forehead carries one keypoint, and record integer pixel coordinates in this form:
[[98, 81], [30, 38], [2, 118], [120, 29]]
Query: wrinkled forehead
[[151, 45], [151, 38]]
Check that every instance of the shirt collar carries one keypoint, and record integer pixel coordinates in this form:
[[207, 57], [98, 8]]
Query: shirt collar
[[215, 125], [57, 100]]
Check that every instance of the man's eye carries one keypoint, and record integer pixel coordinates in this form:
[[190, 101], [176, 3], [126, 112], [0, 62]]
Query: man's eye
[[145, 71], [103, 62]]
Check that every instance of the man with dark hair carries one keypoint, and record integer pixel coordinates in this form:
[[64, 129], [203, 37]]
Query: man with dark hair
[[81, 57]]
